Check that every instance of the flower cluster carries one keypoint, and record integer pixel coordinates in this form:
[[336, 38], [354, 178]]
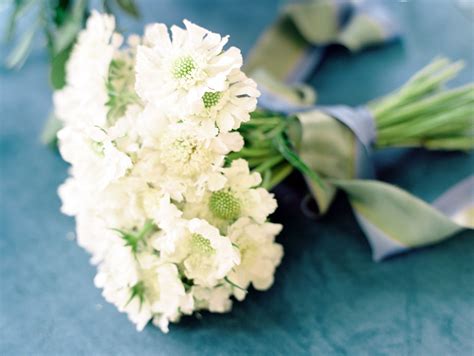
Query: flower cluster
[[172, 223]]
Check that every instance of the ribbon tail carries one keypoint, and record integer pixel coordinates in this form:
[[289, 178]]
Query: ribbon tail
[[382, 245], [289, 51], [370, 24], [458, 202], [393, 220]]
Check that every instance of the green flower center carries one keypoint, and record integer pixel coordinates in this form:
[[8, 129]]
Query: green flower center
[[184, 67], [211, 98], [224, 205], [201, 244]]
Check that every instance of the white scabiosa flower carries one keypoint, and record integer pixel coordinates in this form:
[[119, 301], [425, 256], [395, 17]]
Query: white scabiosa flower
[[237, 196], [165, 214], [216, 300], [188, 149], [256, 202], [204, 255], [260, 255], [118, 276], [138, 283], [83, 99], [94, 157], [212, 255], [184, 67], [232, 106], [190, 155], [129, 192], [173, 229], [94, 235], [162, 288], [73, 197]]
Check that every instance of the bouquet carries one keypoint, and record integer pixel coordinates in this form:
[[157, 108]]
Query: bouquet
[[172, 223], [171, 165]]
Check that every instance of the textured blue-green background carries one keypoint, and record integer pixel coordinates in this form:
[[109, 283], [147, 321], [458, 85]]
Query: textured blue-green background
[[329, 297]]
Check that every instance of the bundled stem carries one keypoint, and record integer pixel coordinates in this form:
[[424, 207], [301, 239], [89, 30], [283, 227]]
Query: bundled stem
[[423, 113], [269, 150], [420, 113]]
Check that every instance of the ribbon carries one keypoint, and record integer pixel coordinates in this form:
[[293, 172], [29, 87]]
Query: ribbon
[[290, 50], [393, 220], [337, 141]]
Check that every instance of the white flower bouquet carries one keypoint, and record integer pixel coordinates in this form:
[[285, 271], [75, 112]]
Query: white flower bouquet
[[173, 225], [171, 164]]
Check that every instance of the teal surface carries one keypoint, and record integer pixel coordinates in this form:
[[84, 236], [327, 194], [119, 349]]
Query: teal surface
[[329, 298]]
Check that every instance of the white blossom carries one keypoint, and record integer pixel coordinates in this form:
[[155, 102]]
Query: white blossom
[[82, 100], [148, 129], [236, 195], [260, 254], [184, 67]]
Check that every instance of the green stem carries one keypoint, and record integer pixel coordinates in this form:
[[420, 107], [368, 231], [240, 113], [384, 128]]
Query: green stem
[[267, 176], [463, 143], [269, 163], [263, 121], [433, 103], [424, 125], [255, 152], [417, 114], [278, 175], [293, 158], [421, 84], [255, 161], [234, 285]]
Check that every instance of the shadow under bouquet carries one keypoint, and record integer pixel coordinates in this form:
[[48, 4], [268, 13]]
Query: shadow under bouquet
[[171, 164]]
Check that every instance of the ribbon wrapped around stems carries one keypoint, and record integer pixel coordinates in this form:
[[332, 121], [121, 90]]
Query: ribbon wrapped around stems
[[337, 141]]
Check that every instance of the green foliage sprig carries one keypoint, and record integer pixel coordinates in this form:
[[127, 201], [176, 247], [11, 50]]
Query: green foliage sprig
[[60, 22]]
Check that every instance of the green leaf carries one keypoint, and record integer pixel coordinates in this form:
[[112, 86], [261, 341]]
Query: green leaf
[[107, 7], [53, 125], [21, 6], [58, 68], [133, 239], [129, 7], [273, 177], [18, 55], [60, 10], [137, 291], [65, 35], [120, 89]]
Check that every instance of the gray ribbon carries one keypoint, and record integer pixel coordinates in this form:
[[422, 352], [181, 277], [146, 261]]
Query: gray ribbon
[[362, 124]]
